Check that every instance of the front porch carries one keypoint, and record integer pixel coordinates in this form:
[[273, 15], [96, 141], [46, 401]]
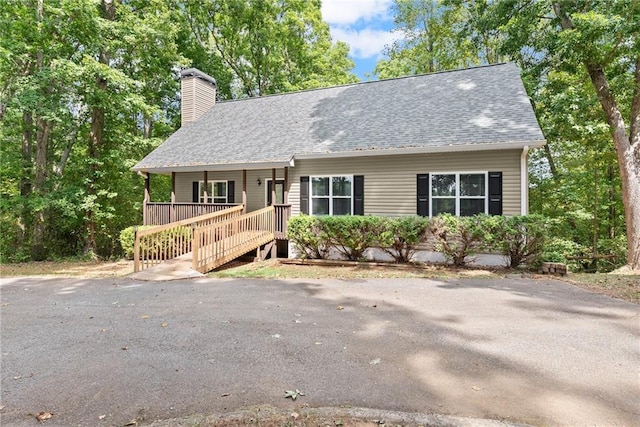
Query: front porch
[[166, 213], [195, 194]]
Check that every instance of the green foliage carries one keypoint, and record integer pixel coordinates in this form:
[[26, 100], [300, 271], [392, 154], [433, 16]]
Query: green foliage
[[400, 236], [352, 235], [158, 245], [268, 46], [308, 236], [458, 238], [520, 239]]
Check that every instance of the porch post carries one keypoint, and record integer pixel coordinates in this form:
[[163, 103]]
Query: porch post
[[244, 191], [147, 198], [274, 247], [286, 186], [172, 213], [273, 186], [206, 187]]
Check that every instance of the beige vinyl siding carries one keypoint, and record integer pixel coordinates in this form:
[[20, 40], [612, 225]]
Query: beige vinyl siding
[[256, 194], [197, 98], [390, 181]]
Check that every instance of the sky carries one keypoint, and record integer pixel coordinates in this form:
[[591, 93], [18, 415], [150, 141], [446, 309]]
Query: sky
[[365, 25]]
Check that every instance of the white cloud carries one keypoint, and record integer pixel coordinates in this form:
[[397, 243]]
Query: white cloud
[[365, 42], [343, 12], [363, 24]]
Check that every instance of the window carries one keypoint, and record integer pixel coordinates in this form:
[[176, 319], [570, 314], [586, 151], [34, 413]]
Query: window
[[216, 191], [331, 195], [461, 194]]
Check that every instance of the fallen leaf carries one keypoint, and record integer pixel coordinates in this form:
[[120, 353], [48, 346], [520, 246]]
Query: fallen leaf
[[340, 307], [44, 416], [225, 394], [164, 325], [102, 417], [131, 423], [475, 388], [17, 377], [145, 316], [293, 394], [375, 361]]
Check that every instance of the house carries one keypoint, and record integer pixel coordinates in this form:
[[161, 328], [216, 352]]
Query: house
[[453, 141]]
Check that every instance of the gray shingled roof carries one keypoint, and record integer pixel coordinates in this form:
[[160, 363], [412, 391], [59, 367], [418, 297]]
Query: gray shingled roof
[[481, 106]]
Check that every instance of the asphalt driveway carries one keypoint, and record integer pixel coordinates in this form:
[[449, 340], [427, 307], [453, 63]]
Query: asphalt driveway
[[104, 352]]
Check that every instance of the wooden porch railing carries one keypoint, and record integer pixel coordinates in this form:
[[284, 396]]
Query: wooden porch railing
[[282, 213], [164, 242], [166, 213], [218, 243]]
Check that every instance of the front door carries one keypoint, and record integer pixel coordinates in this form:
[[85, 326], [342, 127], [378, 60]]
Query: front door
[[279, 191]]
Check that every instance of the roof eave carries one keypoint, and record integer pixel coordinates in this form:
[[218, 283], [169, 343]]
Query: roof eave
[[165, 170], [425, 150]]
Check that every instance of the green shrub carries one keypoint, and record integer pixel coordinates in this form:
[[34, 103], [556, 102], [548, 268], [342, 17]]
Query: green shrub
[[458, 238], [520, 238], [128, 237], [352, 235], [560, 250], [400, 236], [308, 236]]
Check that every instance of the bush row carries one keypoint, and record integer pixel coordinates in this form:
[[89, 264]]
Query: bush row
[[520, 239]]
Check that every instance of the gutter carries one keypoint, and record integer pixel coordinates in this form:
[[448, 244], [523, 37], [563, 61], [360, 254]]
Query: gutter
[[524, 181]]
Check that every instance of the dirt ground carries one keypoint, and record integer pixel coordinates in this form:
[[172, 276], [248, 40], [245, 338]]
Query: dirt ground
[[622, 284]]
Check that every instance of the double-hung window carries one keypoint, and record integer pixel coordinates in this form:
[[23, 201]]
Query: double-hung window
[[216, 192], [461, 194], [332, 195]]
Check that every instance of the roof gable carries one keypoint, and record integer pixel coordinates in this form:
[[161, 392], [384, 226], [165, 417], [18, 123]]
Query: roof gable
[[475, 108]]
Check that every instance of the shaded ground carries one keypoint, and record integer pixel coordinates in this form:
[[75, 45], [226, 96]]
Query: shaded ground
[[106, 352], [625, 286]]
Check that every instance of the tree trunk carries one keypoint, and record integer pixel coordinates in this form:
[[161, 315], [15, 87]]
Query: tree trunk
[[628, 157], [627, 146], [96, 139]]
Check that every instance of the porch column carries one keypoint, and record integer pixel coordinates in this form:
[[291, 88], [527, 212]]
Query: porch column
[[146, 199], [206, 187], [273, 186], [274, 247], [286, 186], [244, 191], [172, 213]]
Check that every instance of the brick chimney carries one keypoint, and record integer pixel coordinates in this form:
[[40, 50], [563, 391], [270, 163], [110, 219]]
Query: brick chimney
[[198, 94]]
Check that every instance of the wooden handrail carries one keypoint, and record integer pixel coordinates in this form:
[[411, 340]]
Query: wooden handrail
[[218, 243], [157, 244]]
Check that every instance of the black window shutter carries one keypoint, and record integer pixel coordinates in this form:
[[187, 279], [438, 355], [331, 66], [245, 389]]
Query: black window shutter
[[495, 193], [231, 191], [423, 194], [195, 198], [304, 195], [358, 195]]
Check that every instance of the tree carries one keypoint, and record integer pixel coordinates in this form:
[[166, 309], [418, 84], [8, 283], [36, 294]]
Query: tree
[[269, 46], [433, 37], [601, 36], [82, 87]]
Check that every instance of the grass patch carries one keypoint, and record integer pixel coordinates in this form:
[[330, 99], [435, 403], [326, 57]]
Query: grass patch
[[69, 268], [626, 287]]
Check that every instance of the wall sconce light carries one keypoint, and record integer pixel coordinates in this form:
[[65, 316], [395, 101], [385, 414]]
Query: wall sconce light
[[259, 182]]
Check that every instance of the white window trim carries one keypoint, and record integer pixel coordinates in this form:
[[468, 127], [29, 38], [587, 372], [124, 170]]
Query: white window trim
[[457, 196], [213, 182], [266, 188], [311, 196]]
